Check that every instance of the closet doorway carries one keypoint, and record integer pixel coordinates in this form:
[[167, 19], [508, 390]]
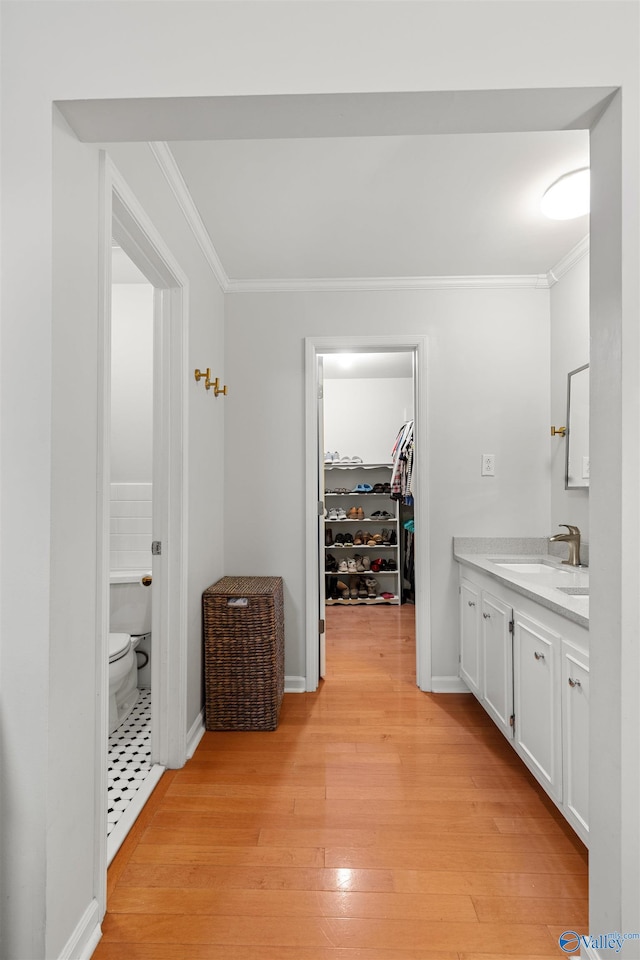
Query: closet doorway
[[365, 424]]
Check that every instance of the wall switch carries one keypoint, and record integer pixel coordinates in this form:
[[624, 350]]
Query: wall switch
[[585, 468], [488, 464]]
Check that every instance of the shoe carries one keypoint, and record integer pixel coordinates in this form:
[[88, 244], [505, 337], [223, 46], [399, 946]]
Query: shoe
[[387, 596], [392, 538], [359, 564], [372, 587], [339, 540], [358, 538], [392, 565], [387, 488], [340, 514], [362, 488], [332, 514], [348, 539], [330, 563], [352, 513], [362, 590], [360, 513], [381, 515], [328, 537], [344, 589], [385, 537], [368, 539], [353, 590], [378, 488], [351, 565], [366, 564], [342, 567]]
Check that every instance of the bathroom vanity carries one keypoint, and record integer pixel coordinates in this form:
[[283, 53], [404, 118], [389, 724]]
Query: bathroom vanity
[[524, 653]]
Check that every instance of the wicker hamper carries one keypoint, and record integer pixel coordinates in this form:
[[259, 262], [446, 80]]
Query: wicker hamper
[[243, 653]]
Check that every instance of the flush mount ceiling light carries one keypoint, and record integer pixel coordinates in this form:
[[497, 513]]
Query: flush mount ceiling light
[[568, 197]]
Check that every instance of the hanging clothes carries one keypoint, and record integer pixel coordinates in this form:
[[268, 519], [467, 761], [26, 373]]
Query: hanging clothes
[[402, 458]]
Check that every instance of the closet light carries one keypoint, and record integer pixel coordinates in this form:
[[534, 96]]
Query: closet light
[[345, 360], [568, 197]]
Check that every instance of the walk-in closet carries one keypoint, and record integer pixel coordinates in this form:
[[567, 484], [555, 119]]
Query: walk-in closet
[[368, 453]]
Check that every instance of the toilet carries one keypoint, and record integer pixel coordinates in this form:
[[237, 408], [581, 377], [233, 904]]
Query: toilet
[[129, 622]]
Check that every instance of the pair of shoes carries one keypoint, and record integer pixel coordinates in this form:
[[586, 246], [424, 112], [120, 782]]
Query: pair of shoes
[[379, 564], [331, 457], [372, 587], [387, 596], [336, 513], [355, 513], [362, 488], [378, 488], [381, 515], [347, 460]]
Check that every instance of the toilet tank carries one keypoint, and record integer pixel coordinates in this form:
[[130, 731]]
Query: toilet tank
[[129, 602]]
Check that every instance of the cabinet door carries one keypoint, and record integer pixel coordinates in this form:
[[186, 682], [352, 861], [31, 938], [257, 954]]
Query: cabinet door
[[538, 740], [497, 655], [470, 646], [575, 726]]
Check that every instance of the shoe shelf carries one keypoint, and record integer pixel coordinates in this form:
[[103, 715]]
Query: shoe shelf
[[386, 583], [362, 601]]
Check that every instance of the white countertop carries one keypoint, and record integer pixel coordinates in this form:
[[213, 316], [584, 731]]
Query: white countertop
[[542, 586]]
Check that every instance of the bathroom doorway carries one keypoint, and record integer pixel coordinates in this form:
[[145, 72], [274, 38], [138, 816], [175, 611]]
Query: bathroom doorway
[[367, 396], [130, 759], [142, 472]]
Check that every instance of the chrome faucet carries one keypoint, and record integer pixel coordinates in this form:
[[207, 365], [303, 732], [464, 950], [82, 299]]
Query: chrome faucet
[[573, 539]]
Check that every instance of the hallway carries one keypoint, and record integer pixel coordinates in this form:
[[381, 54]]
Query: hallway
[[376, 823]]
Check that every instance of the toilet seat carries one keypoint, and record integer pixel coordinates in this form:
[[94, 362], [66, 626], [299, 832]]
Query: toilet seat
[[119, 645]]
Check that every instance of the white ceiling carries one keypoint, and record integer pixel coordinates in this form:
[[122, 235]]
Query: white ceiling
[[383, 206]]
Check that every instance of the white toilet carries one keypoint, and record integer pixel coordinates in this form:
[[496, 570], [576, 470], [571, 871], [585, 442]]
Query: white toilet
[[130, 620]]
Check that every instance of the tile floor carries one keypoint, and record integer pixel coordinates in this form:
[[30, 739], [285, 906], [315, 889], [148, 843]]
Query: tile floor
[[129, 759]]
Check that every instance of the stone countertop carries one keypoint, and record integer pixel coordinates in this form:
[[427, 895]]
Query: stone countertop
[[542, 588]]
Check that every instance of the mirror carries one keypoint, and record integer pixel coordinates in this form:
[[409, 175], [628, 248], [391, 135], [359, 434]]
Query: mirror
[[577, 464]]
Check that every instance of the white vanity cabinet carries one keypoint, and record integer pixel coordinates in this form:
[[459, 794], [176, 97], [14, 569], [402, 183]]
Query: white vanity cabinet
[[529, 668], [575, 729], [536, 694], [497, 649], [471, 667]]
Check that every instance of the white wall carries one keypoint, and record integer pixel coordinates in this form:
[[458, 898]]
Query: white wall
[[67, 50], [131, 383], [488, 390], [362, 417], [569, 349]]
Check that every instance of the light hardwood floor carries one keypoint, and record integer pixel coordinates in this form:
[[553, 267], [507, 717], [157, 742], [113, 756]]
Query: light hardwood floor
[[376, 823]]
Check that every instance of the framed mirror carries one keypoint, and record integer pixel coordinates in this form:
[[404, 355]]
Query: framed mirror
[[577, 446]]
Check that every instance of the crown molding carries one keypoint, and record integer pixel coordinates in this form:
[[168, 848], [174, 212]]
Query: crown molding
[[167, 163], [360, 284], [563, 266]]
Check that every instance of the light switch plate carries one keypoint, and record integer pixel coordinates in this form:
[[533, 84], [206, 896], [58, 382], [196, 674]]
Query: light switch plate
[[488, 464]]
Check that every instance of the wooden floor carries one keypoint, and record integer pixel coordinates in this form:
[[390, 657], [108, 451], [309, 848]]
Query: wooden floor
[[376, 823]]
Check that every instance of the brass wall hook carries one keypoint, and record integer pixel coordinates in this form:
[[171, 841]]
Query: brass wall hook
[[199, 375], [558, 431], [217, 389]]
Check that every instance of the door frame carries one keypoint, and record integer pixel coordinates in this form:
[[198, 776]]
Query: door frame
[[122, 216], [416, 344]]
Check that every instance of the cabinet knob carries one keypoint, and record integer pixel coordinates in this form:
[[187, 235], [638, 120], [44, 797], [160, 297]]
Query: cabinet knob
[[487, 616], [538, 656], [471, 603], [574, 683]]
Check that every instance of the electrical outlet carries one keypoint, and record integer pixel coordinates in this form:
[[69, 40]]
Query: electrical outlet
[[488, 464]]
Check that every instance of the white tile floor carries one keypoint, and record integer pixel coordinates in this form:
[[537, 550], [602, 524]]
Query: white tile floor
[[129, 759]]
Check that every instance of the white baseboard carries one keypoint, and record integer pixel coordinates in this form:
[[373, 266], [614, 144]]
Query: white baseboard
[[448, 685], [295, 685], [85, 937], [195, 734], [587, 953]]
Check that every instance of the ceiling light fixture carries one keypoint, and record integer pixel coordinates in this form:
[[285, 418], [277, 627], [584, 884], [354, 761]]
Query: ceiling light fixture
[[568, 197]]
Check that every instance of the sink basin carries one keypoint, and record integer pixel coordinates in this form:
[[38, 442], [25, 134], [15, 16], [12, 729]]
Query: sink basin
[[545, 568]]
